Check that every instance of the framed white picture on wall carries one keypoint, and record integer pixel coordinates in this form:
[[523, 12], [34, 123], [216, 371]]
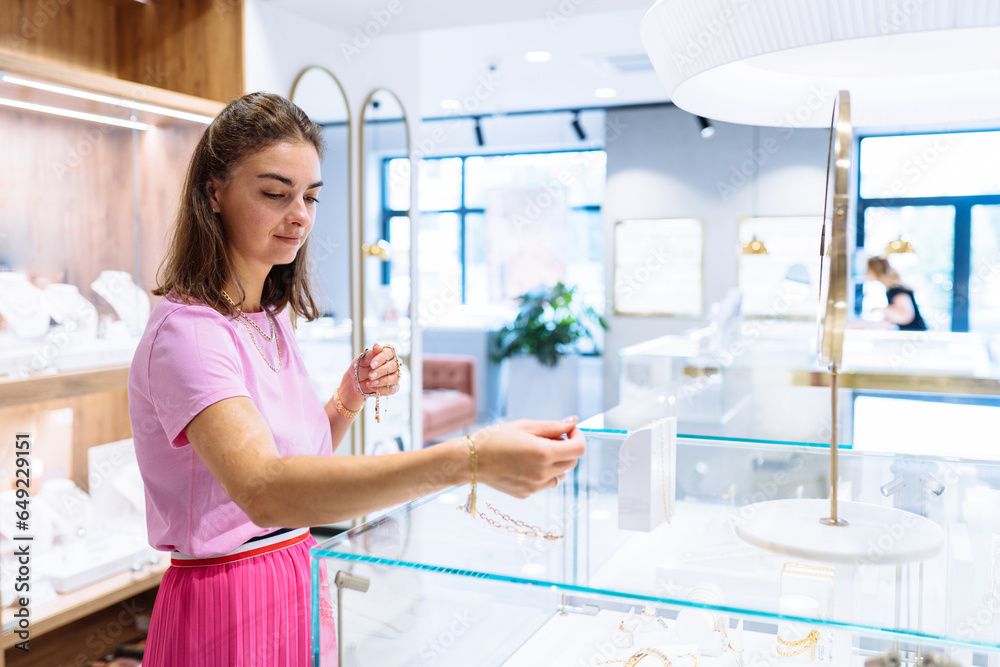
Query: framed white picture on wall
[[782, 282], [658, 267]]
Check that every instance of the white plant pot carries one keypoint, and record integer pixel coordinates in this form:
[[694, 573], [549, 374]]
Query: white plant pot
[[535, 391]]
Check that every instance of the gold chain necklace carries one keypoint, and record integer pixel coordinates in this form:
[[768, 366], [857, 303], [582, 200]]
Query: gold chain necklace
[[522, 528], [243, 315], [274, 334]]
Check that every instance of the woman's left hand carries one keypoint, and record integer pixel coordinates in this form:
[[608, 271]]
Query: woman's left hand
[[379, 370]]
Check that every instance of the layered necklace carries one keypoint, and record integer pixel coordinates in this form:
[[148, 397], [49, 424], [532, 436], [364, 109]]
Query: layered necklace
[[242, 317]]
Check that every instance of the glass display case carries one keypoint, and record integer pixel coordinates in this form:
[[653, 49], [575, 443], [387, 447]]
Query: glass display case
[[554, 580], [777, 352]]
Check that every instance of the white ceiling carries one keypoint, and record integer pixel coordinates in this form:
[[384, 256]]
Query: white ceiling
[[592, 42], [420, 15]]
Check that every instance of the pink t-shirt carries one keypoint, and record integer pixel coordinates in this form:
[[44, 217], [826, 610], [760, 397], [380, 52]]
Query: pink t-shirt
[[190, 357]]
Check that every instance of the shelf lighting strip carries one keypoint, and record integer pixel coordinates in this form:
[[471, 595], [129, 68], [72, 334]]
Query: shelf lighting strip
[[106, 99], [79, 115]]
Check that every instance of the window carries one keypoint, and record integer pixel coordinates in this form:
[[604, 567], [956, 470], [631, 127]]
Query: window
[[940, 192], [464, 203]]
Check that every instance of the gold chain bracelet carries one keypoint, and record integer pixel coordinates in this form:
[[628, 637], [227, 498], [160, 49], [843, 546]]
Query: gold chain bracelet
[[637, 657], [647, 652], [475, 474], [350, 414], [807, 643]]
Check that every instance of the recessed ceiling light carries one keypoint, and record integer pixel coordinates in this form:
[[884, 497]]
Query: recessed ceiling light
[[605, 92], [451, 105], [538, 56]]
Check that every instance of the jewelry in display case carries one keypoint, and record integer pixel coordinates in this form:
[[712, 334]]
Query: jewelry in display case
[[23, 306], [129, 301], [799, 640]]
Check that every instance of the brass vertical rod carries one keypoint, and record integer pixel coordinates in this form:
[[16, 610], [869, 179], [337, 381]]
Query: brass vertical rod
[[833, 519], [834, 473]]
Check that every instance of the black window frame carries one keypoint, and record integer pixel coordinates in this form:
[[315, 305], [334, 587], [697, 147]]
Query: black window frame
[[963, 231], [462, 211]]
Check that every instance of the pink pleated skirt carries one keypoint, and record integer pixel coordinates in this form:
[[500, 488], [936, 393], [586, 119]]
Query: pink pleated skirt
[[254, 612]]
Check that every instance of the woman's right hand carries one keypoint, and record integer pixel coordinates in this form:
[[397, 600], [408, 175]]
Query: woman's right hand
[[526, 456]]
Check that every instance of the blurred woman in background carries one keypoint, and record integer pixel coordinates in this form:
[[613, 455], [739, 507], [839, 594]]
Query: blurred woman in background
[[901, 312]]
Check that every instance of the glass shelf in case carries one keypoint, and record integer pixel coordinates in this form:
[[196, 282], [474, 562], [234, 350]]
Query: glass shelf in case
[[446, 589]]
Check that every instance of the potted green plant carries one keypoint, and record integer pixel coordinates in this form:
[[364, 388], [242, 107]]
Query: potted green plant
[[550, 324]]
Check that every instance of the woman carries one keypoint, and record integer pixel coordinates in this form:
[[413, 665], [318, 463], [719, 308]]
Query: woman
[[231, 439], [902, 311]]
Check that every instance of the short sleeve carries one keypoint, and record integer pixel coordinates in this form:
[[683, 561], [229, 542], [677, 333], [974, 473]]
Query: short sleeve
[[193, 363]]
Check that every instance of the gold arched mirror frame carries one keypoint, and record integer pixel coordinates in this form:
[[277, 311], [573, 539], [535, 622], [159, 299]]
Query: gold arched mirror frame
[[845, 535], [319, 93], [298, 86], [329, 349], [382, 110], [832, 314]]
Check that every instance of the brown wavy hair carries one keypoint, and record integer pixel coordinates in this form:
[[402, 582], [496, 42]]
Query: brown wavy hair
[[198, 262], [882, 269]]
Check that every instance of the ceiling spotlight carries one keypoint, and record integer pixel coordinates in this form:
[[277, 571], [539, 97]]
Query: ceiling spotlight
[[577, 127], [707, 129], [538, 56], [451, 105], [605, 92], [479, 133]]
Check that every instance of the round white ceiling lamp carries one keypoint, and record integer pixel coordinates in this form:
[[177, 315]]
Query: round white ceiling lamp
[[538, 56], [910, 63]]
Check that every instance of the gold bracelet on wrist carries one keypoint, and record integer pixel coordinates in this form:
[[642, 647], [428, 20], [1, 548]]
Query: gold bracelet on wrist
[[350, 414], [475, 473]]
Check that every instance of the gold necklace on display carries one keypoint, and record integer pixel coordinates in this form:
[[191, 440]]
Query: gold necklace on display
[[807, 643], [519, 527], [274, 334]]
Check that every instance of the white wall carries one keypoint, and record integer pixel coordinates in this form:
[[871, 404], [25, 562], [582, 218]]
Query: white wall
[[659, 166], [279, 44]]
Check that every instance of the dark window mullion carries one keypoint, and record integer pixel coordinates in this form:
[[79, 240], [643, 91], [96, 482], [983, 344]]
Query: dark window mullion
[[859, 242], [962, 271], [462, 211], [943, 200], [386, 214], [462, 246]]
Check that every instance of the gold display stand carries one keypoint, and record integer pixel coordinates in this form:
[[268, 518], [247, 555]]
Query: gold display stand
[[796, 527]]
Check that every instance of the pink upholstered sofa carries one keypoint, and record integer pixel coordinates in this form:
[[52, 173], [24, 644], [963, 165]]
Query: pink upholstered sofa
[[449, 394]]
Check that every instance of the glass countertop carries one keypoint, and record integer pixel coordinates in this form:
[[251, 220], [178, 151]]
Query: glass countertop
[[718, 483]]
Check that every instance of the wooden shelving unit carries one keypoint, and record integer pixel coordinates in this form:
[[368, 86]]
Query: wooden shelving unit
[[85, 601], [62, 385], [193, 48], [62, 75], [102, 214]]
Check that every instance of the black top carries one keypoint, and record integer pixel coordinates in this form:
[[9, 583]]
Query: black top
[[917, 323]]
